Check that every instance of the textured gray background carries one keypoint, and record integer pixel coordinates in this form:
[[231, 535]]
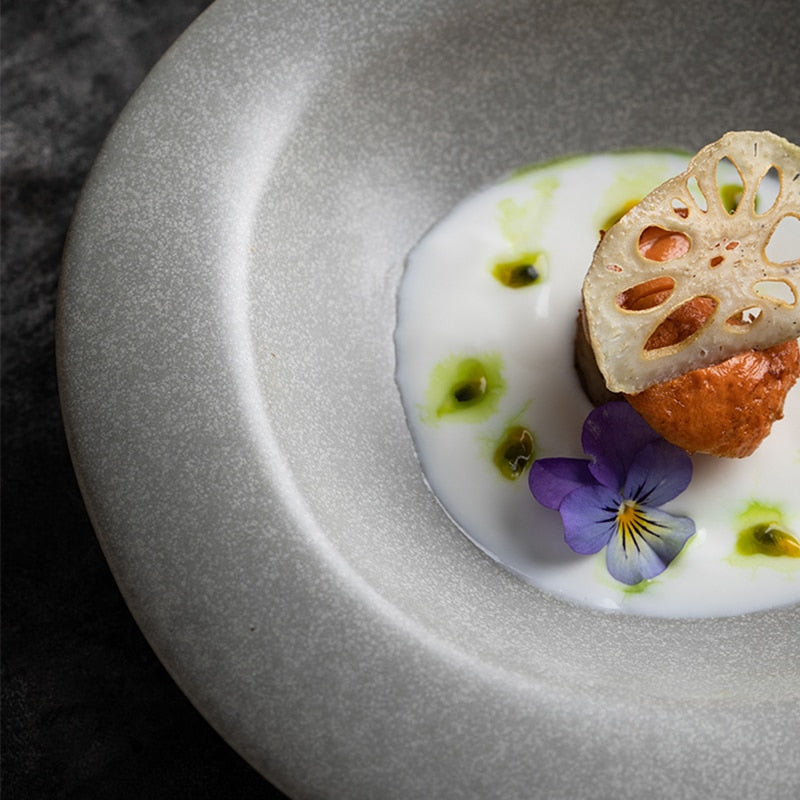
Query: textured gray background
[[88, 710]]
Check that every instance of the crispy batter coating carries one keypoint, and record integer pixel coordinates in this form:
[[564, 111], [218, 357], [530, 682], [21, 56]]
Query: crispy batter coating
[[726, 409]]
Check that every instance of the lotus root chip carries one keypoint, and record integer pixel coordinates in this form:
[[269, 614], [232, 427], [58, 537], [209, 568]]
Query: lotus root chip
[[716, 247]]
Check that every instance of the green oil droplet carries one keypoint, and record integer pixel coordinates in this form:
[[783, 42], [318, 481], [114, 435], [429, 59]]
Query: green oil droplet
[[522, 272], [768, 539], [515, 452], [614, 218], [763, 537], [635, 588], [464, 388], [472, 390], [731, 195]]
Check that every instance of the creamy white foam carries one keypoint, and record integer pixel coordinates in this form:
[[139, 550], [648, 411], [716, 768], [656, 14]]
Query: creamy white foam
[[452, 308]]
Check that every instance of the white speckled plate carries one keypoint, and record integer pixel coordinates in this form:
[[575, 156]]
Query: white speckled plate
[[226, 367]]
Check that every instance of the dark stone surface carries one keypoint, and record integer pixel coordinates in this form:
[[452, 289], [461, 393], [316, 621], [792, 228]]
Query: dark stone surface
[[88, 711]]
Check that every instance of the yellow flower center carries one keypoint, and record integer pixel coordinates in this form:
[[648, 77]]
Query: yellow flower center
[[631, 521], [627, 514]]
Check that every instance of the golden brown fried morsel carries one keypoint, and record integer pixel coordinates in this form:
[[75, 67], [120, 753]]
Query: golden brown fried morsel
[[726, 409]]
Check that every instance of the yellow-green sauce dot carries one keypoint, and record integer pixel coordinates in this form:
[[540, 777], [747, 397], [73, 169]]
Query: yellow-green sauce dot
[[764, 539], [524, 271], [466, 389], [515, 452], [731, 195], [768, 539]]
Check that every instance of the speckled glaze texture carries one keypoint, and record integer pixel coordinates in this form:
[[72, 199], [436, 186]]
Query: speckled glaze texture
[[226, 367]]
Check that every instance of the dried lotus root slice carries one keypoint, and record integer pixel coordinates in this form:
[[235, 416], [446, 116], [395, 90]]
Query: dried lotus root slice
[[684, 259]]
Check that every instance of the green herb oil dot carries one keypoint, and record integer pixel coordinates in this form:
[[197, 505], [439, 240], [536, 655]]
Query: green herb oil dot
[[515, 452], [470, 391], [527, 270], [730, 194], [466, 389], [768, 539]]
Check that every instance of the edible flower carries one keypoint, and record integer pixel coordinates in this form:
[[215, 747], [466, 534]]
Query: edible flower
[[611, 500]]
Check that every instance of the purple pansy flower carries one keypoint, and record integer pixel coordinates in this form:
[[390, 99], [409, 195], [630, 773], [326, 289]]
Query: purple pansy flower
[[612, 499]]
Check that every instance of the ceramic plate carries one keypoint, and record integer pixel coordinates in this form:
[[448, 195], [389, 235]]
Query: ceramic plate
[[226, 366]]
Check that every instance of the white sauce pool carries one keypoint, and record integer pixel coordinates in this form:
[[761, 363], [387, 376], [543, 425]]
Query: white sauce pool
[[451, 308]]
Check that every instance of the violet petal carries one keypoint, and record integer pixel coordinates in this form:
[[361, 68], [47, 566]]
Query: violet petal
[[659, 472], [552, 479], [612, 435], [589, 514], [634, 558]]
